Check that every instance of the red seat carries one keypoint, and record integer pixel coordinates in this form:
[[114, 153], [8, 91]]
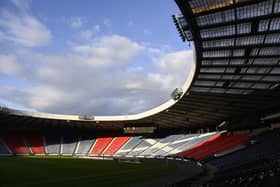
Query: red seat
[[214, 145], [116, 144], [15, 144], [36, 144], [100, 145]]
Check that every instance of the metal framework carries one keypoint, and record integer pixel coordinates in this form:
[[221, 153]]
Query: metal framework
[[237, 44]]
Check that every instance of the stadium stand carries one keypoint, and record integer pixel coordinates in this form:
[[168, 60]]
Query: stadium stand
[[131, 144], [16, 144], [161, 143], [173, 145], [115, 145], [190, 142], [265, 142], [100, 144], [215, 144], [69, 144], [3, 149], [36, 144], [53, 144], [142, 146], [84, 145]]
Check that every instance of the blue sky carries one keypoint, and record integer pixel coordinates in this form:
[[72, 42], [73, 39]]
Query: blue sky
[[89, 57]]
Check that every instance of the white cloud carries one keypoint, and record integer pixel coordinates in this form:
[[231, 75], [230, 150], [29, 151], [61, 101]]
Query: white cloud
[[109, 50], [24, 29], [173, 62], [23, 5], [77, 22], [72, 83], [9, 65], [86, 34]]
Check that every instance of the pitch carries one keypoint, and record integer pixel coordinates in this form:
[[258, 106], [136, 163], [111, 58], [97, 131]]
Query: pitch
[[67, 171]]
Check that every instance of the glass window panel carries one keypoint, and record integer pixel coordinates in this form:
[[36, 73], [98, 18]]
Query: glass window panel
[[234, 91], [255, 10], [263, 25], [251, 77], [261, 86], [277, 6], [243, 85], [209, 76], [212, 70], [271, 78], [266, 61], [239, 52], [205, 83], [250, 40], [215, 18], [218, 43], [218, 90], [199, 89], [275, 70], [272, 38], [244, 28], [269, 51], [237, 61], [222, 53], [275, 24]]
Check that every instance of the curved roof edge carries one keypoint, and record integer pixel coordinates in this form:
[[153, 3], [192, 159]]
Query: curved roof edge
[[137, 116]]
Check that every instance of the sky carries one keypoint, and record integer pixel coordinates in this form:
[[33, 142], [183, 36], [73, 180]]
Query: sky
[[90, 57]]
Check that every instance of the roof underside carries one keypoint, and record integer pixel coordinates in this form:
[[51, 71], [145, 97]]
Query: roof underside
[[237, 46]]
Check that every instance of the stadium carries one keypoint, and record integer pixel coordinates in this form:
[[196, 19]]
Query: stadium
[[220, 128]]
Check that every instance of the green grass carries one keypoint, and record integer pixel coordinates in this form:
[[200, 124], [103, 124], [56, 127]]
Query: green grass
[[67, 171]]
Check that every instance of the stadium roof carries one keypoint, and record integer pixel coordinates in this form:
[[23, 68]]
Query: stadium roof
[[236, 72]]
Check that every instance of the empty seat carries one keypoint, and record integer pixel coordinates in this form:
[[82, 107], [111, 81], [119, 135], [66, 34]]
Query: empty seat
[[69, 144], [167, 149], [100, 145], [190, 142], [132, 142], [84, 145], [3, 149], [36, 144], [215, 144], [116, 144], [53, 144], [141, 147], [16, 144], [151, 151]]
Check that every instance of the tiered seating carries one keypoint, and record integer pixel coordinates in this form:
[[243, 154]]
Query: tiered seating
[[190, 142], [16, 144], [53, 144], [159, 145], [69, 145], [173, 145], [131, 144], [3, 149], [84, 145], [141, 147], [36, 144], [116, 144], [266, 146], [100, 145], [215, 144]]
